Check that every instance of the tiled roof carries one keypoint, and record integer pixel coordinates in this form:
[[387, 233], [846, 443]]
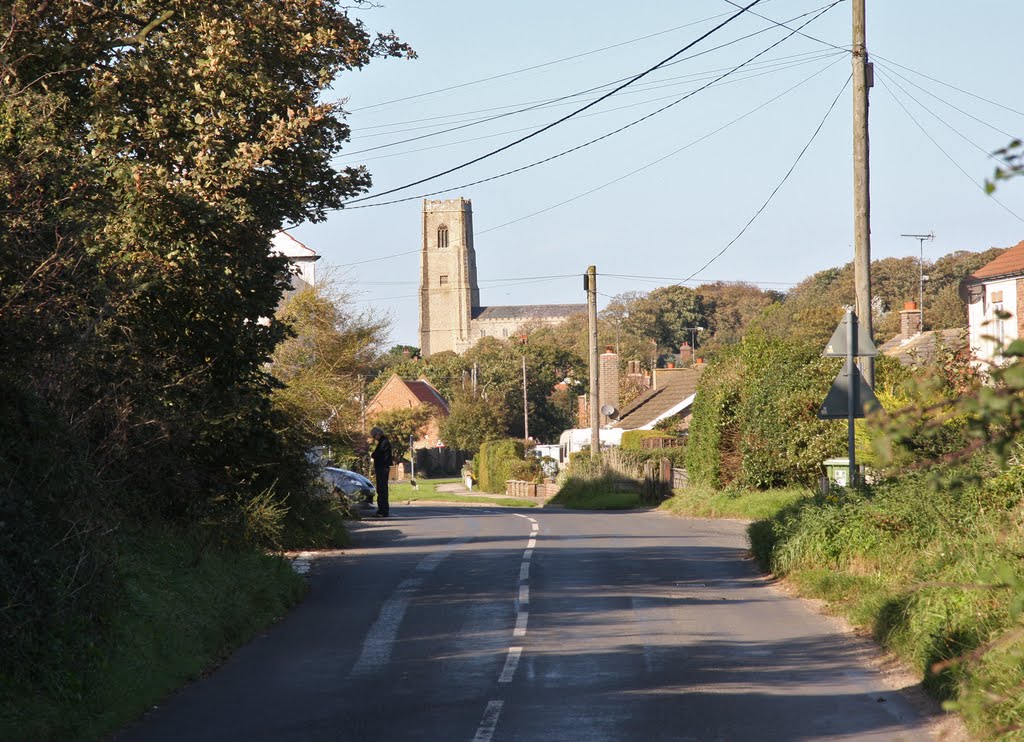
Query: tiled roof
[[427, 394], [528, 311], [921, 347], [650, 406], [1009, 263]]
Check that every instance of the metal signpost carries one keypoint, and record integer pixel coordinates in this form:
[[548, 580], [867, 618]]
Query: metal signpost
[[850, 394]]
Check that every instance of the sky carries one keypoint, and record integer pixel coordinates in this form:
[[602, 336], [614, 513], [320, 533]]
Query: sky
[[946, 95]]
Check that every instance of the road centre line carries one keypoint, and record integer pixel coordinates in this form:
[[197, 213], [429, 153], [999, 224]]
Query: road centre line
[[489, 723], [527, 554], [532, 543], [511, 663], [381, 637], [521, 618], [524, 594], [524, 571]]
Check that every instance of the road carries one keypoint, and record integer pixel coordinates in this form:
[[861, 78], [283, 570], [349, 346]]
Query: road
[[494, 625]]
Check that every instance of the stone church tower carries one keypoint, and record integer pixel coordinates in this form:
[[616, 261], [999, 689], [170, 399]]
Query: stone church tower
[[451, 317], [448, 287]]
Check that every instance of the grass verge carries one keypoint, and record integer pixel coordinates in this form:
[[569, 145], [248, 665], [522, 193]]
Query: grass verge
[[706, 502], [178, 612], [427, 490], [603, 493]]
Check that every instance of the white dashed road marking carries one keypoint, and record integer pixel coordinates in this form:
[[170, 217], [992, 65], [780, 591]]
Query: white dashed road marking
[[489, 723], [511, 663]]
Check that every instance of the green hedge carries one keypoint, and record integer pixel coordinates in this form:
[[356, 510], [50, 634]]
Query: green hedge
[[712, 448], [496, 461], [633, 439]]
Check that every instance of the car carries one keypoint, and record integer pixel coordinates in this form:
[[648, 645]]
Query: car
[[351, 484]]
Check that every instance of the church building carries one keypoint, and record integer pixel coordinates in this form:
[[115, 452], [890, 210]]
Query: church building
[[451, 317]]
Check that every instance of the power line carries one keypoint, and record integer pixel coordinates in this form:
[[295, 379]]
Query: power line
[[777, 68], [640, 88], [568, 97], [587, 143], [939, 98], [779, 186], [924, 131], [949, 85], [555, 123], [660, 159], [539, 66], [950, 127]]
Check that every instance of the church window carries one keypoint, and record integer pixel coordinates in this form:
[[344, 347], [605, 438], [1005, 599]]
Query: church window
[[504, 332], [442, 236], [444, 280]]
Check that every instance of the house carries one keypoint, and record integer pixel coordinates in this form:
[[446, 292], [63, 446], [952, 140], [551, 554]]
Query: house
[[303, 260], [996, 287], [673, 393], [910, 346], [398, 393]]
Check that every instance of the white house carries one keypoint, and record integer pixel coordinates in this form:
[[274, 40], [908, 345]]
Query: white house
[[996, 287], [303, 259]]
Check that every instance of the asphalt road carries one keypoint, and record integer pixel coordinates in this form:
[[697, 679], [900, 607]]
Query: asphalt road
[[494, 625]]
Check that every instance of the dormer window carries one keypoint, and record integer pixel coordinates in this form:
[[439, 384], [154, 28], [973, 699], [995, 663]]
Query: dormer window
[[442, 236]]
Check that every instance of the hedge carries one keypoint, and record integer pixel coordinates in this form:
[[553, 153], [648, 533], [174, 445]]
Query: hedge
[[496, 462], [633, 439]]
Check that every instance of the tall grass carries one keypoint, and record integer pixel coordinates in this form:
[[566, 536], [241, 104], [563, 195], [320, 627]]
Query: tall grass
[[928, 570]]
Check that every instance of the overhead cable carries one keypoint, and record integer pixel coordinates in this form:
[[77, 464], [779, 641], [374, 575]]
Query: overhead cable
[[568, 116], [584, 144]]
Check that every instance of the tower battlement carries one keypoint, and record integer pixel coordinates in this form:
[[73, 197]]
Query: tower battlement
[[448, 204]]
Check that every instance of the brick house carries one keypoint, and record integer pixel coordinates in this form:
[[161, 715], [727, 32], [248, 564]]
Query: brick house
[[397, 393], [998, 286]]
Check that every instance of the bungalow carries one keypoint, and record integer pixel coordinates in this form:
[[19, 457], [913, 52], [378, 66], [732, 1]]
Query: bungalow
[[673, 393], [910, 346]]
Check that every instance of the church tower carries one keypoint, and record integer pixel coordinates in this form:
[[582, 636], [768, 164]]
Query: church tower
[[448, 287]]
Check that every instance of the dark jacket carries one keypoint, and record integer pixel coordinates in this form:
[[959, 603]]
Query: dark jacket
[[381, 455]]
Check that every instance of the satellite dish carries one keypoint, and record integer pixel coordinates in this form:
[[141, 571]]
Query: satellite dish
[[610, 411]]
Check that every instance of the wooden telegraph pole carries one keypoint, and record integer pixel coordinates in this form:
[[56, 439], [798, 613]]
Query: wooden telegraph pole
[[861, 196], [594, 401]]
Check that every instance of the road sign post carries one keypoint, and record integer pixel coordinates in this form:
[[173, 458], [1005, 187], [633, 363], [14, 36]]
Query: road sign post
[[850, 394]]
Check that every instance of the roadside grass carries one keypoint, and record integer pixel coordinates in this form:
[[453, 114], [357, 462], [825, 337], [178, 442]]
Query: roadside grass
[[179, 611], [707, 502], [607, 492], [928, 571], [427, 490]]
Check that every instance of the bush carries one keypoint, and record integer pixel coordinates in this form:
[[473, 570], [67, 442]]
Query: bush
[[495, 462], [633, 439]]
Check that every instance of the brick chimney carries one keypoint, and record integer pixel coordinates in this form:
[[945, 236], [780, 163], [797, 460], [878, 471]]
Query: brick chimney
[[582, 412], [910, 320], [608, 384]]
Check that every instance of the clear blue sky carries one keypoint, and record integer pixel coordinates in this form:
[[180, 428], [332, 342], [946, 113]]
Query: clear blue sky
[[673, 217]]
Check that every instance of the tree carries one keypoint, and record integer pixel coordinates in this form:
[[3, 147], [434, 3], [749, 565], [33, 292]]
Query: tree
[[472, 420], [403, 424], [322, 366]]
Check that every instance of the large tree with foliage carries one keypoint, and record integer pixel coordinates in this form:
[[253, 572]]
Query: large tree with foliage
[[147, 154]]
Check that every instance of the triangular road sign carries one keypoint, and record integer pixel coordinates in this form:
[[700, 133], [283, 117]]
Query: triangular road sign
[[837, 403], [837, 345]]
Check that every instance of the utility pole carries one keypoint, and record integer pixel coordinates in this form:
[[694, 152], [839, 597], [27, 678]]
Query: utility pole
[[526, 410], [862, 80], [590, 284], [920, 286]]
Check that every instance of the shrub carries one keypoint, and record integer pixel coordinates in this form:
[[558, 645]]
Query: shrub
[[712, 450], [495, 461]]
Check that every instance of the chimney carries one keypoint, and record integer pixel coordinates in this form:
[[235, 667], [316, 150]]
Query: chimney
[[582, 412], [910, 320], [685, 355], [608, 391]]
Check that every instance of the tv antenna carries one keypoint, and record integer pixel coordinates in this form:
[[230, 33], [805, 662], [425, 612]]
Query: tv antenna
[[922, 277]]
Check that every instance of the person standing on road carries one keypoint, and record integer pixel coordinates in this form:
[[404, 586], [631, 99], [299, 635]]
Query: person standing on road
[[382, 460]]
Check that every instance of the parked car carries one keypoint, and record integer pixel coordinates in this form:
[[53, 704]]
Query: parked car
[[349, 483]]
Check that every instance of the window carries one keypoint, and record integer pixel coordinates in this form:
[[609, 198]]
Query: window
[[998, 324], [504, 332], [442, 236], [443, 280]]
